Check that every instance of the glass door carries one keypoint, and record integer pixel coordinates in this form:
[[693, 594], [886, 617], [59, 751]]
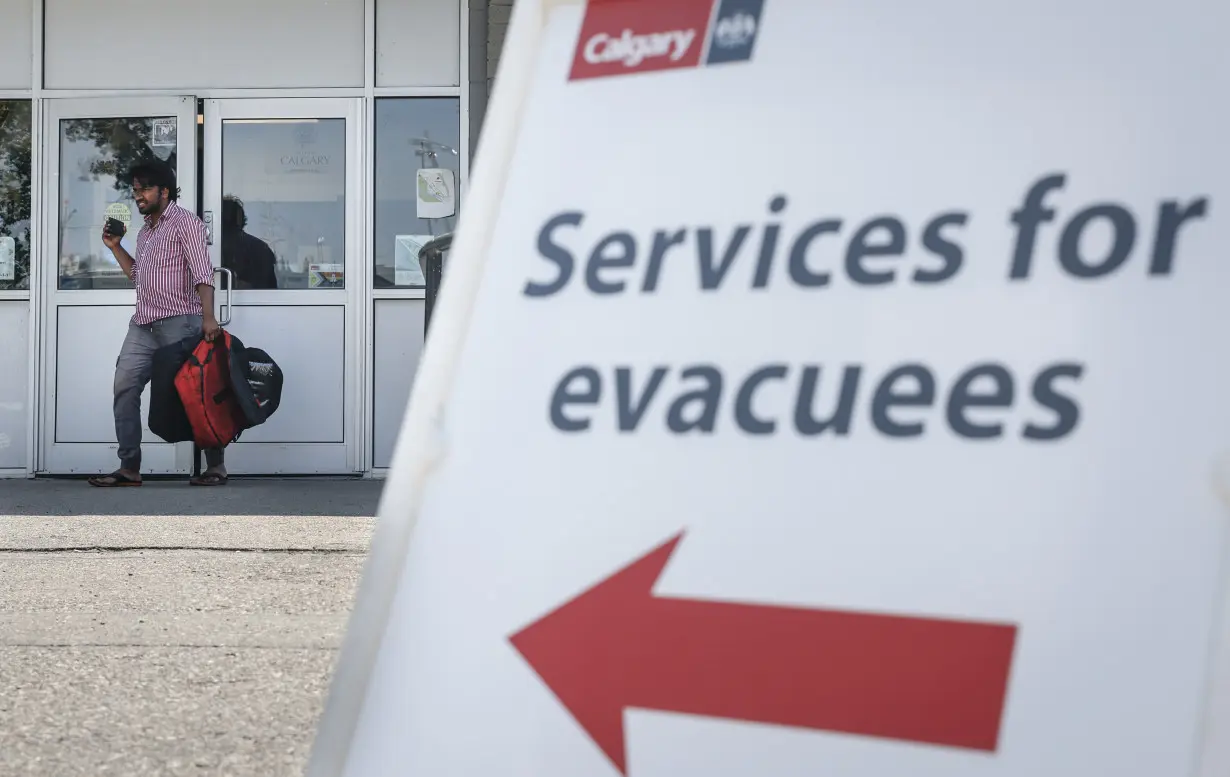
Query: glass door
[[90, 147], [282, 198]]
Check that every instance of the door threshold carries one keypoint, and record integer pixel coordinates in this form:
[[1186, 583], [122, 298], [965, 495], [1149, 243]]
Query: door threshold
[[163, 478], [292, 476]]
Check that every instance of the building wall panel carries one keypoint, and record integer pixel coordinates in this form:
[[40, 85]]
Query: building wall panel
[[418, 42], [187, 44], [16, 44]]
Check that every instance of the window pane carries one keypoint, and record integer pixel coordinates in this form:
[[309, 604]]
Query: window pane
[[414, 133], [15, 132], [95, 157], [283, 220]]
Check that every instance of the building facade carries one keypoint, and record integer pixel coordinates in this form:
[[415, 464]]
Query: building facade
[[298, 129]]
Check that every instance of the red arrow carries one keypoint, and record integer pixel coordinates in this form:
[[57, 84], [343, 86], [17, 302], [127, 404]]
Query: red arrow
[[915, 679]]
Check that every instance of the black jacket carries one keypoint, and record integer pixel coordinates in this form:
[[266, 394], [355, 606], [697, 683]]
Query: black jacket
[[167, 418]]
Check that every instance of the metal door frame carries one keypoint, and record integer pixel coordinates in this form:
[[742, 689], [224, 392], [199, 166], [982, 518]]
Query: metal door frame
[[354, 296], [75, 458]]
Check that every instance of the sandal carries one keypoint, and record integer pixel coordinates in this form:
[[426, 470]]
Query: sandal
[[116, 479], [209, 479]]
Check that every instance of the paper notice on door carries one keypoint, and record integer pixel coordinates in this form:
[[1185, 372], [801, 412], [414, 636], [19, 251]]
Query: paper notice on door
[[326, 276], [121, 212], [163, 133], [437, 193], [8, 258]]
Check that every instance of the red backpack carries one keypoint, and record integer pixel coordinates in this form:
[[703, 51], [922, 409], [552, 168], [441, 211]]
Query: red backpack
[[205, 387]]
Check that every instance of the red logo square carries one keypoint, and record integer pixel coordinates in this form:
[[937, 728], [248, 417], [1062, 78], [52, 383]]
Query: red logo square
[[619, 37]]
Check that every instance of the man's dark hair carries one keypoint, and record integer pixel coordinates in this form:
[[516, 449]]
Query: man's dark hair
[[232, 212], [155, 173]]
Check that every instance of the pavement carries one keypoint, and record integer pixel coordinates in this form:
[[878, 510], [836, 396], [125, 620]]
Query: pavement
[[170, 630]]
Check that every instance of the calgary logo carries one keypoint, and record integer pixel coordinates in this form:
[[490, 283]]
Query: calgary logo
[[620, 37], [734, 31], [632, 50]]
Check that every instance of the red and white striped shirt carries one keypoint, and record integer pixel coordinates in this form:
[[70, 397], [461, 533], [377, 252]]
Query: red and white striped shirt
[[172, 260]]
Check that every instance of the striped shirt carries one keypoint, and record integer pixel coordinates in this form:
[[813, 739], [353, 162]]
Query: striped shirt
[[172, 260]]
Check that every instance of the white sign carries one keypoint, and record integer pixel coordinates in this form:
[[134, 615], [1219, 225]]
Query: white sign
[[844, 395], [435, 192], [8, 258]]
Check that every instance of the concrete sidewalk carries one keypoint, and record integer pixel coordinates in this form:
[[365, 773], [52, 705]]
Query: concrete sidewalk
[[170, 630]]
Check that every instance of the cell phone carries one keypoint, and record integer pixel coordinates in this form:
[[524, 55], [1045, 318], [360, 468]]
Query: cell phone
[[115, 227]]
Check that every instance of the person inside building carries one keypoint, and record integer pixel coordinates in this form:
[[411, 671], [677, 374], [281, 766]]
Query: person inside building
[[175, 300], [246, 255]]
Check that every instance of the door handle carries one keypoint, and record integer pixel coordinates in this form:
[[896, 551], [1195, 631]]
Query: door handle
[[224, 318]]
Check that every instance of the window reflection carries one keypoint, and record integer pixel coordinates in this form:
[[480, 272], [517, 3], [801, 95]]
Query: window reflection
[[284, 207], [413, 133], [250, 259], [15, 136], [95, 157]]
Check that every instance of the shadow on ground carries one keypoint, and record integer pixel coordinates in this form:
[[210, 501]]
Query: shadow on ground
[[240, 497]]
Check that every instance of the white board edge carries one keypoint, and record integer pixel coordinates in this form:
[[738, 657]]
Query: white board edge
[[1214, 744], [419, 446], [1213, 753]]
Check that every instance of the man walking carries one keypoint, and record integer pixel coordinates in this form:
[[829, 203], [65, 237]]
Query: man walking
[[175, 300]]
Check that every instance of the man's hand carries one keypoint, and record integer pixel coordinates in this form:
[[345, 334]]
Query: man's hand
[[109, 240], [209, 327]]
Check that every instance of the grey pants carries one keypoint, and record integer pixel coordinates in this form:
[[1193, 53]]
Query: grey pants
[[133, 370]]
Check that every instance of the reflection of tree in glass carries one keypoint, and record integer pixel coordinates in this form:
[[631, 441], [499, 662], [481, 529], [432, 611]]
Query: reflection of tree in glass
[[121, 143], [15, 185], [106, 150]]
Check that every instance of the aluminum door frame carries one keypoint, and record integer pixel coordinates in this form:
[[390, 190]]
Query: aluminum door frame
[[69, 458], [303, 458]]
